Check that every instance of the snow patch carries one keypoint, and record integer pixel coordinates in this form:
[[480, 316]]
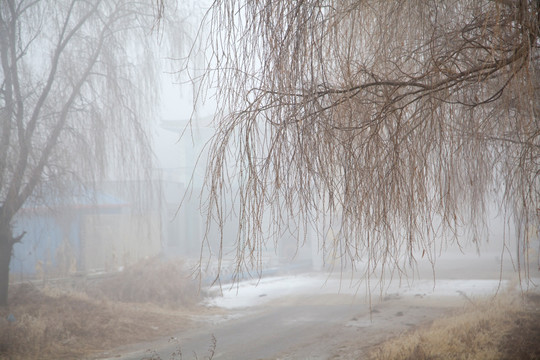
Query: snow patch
[[251, 293]]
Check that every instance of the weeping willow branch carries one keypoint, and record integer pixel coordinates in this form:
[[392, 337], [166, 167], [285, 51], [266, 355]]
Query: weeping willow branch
[[386, 126]]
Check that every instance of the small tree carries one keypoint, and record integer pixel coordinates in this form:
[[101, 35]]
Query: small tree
[[76, 92], [390, 123]]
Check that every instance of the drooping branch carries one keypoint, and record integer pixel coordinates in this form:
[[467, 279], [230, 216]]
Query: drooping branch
[[36, 173], [14, 197], [387, 124]]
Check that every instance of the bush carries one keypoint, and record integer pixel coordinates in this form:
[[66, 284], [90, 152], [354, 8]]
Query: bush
[[156, 281]]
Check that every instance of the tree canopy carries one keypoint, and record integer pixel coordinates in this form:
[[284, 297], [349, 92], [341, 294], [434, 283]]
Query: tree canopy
[[390, 124], [74, 101]]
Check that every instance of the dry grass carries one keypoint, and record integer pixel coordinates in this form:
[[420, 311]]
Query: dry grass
[[507, 327], [164, 283], [62, 323]]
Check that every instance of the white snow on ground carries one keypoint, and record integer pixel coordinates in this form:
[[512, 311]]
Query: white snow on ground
[[471, 288], [256, 292]]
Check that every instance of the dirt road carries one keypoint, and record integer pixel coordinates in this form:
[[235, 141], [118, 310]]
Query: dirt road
[[294, 317], [300, 326]]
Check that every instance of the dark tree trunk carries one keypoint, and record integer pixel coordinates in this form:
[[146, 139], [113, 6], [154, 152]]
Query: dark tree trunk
[[6, 247]]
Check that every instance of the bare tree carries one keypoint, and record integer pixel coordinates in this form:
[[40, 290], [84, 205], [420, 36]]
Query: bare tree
[[390, 123], [76, 93]]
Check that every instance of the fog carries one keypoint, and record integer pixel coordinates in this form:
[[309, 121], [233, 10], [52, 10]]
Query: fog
[[144, 218], [301, 302]]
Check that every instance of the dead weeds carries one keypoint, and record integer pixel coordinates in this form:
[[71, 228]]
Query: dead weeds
[[523, 341], [507, 327], [148, 301], [164, 283]]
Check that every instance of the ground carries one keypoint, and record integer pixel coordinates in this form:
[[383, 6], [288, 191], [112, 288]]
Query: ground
[[523, 341], [293, 316]]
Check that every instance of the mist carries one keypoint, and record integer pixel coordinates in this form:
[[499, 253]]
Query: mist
[[285, 180]]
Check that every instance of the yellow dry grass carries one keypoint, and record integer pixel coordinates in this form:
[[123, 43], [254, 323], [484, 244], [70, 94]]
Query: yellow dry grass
[[164, 283], [504, 327], [66, 322]]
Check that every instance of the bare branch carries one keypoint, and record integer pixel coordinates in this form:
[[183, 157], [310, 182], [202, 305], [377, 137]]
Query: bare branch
[[386, 124]]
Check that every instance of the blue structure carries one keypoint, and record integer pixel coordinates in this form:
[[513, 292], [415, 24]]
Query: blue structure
[[54, 239]]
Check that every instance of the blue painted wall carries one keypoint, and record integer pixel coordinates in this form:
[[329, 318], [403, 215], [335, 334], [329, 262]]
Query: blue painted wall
[[52, 242]]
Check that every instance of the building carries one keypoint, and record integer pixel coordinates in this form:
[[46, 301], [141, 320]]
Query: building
[[90, 231]]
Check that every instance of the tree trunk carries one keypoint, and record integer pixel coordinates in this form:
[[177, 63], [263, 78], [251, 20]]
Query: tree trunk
[[6, 247]]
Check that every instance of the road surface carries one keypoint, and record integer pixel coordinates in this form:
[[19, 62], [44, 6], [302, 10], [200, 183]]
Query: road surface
[[293, 318]]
